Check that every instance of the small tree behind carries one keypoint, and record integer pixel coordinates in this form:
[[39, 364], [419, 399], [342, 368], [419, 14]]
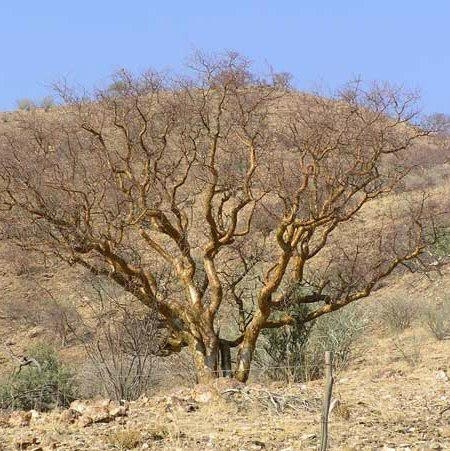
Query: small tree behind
[[121, 343]]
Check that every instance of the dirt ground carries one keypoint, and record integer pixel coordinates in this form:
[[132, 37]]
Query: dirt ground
[[393, 396]]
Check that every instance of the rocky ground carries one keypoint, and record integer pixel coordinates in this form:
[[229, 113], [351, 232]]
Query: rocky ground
[[390, 398]]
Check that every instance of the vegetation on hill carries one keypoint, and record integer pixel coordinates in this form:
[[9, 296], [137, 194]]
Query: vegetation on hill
[[222, 200]]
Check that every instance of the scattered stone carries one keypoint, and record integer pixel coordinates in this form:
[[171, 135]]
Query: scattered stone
[[225, 383], [20, 418], [118, 410], [85, 421], [35, 415], [441, 375], [78, 406], [258, 445], [184, 404], [69, 416], [98, 414], [204, 394], [97, 411], [26, 441], [35, 332], [309, 437]]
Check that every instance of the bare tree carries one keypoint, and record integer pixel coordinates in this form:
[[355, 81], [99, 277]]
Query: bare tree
[[217, 195]]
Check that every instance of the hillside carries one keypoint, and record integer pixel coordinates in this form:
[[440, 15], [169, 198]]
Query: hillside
[[386, 402], [393, 392]]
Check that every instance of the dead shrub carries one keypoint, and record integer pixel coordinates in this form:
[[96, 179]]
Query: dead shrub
[[399, 314], [121, 344], [126, 439], [408, 349]]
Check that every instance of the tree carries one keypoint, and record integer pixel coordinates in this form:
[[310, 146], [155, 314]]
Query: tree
[[218, 196], [26, 104]]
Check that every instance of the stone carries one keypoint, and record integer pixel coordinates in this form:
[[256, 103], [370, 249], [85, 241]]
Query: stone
[[98, 414], [19, 418], [204, 394], [35, 332], [69, 416], [96, 411], [441, 375], [35, 415], [181, 404], [222, 384], [118, 411], [26, 441], [84, 421], [78, 406]]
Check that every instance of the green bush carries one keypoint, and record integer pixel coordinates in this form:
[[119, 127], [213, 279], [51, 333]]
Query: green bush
[[437, 319], [441, 247], [43, 388], [296, 353], [47, 103], [26, 105]]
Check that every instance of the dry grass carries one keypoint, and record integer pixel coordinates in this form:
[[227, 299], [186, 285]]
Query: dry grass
[[383, 402]]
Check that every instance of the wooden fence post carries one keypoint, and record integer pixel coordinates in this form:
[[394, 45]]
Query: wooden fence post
[[326, 401]]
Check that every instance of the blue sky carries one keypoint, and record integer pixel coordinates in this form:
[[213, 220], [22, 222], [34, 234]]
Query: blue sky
[[321, 41]]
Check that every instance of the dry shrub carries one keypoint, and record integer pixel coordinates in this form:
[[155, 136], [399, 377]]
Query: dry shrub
[[408, 349], [399, 314], [122, 355], [126, 439], [121, 343], [437, 319]]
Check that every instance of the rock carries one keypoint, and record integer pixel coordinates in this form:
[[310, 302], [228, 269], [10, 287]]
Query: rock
[[35, 332], [97, 411], [204, 394], [222, 384], [19, 418], [78, 406], [98, 414], [85, 421], [118, 411], [441, 375], [308, 437], [257, 445], [35, 415], [183, 404], [69, 416], [27, 441]]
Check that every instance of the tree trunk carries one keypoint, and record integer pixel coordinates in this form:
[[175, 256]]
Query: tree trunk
[[245, 356], [205, 359], [225, 359], [247, 347]]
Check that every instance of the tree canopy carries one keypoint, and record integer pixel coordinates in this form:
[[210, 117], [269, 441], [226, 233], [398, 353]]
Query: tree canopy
[[220, 198]]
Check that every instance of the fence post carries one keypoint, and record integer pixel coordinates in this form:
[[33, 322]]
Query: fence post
[[326, 401]]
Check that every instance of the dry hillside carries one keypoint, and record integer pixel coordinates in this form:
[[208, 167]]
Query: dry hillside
[[394, 393]]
